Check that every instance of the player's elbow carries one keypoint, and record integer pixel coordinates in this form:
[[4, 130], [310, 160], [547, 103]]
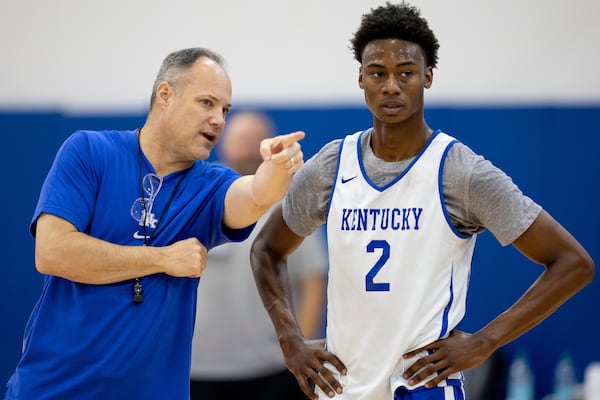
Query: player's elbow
[[585, 268], [262, 257], [578, 268], [257, 251]]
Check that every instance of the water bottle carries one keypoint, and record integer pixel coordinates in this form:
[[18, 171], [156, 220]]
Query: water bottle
[[521, 381], [591, 381], [565, 381]]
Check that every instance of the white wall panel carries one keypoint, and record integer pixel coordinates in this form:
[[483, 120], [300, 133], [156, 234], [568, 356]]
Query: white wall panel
[[75, 54]]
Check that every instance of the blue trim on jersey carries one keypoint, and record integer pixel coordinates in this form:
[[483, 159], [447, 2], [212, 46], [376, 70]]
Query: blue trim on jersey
[[448, 306], [335, 180], [435, 393], [382, 188], [455, 382], [337, 171], [441, 193]]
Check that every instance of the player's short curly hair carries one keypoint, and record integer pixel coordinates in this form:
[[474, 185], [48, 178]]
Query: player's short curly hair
[[400, 21]]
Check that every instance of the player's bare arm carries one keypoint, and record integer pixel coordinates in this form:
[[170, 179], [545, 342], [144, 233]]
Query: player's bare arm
[[304, 358], [568, 268]]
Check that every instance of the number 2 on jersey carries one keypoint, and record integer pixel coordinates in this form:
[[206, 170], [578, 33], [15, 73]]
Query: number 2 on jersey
[[372, 286]]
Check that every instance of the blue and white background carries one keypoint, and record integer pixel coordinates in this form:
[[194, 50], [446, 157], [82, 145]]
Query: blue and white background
[[518, 81]]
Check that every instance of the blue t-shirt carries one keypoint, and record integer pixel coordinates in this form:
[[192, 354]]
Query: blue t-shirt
[[86, 341]]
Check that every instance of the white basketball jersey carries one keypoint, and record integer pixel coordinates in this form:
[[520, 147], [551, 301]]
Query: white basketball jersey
[[398, 270]]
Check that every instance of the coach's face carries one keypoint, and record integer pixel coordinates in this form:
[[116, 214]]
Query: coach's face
[[393, 76], [195, 109]]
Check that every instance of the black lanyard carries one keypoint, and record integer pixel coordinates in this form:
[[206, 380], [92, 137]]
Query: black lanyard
[[137, 286]]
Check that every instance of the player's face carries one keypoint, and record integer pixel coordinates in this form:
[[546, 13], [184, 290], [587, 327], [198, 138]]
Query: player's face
[[393, 76], [197, 109]]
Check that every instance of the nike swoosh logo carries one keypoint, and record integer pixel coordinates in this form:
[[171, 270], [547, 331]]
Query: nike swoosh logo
[[137, 235], [348, 179]]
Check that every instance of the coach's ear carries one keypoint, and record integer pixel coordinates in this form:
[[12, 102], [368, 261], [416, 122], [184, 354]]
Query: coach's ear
[[164, 92]]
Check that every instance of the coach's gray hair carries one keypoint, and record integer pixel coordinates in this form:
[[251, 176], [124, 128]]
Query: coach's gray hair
[[177, 62]]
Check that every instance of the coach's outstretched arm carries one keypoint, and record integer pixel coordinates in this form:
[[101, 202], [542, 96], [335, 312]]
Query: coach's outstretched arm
[[304, 358], [62, 250]]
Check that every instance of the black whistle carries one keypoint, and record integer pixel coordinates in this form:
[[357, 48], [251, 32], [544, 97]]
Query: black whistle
[[137, 292]]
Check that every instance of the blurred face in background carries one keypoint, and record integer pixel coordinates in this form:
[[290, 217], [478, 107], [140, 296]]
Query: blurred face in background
[[240, 143]]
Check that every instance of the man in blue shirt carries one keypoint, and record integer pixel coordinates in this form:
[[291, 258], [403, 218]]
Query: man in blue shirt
[[122, 228]]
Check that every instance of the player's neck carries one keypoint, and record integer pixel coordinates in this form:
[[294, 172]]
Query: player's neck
[[396, 143]]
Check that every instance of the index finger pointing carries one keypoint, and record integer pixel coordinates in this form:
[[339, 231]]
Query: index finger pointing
[[277, 144], [291, 138]]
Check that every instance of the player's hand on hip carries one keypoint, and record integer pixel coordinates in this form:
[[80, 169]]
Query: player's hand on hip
[[457, 352], [185, 258], [306, 360], [284, 151]]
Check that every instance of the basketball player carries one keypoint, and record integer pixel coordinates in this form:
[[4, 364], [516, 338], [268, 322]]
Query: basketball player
[[403, 204]]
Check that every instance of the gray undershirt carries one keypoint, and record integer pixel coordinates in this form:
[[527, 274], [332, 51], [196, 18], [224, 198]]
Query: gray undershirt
[[477, 194]]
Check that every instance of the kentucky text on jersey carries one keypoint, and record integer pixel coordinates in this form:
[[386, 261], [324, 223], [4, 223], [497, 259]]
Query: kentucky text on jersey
[[362, 219]]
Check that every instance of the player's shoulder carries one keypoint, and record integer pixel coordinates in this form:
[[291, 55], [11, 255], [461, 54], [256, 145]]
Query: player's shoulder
[[325, 156], [324, 163], [330, 151], [329, 148], [464, 167], [461, 155]]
